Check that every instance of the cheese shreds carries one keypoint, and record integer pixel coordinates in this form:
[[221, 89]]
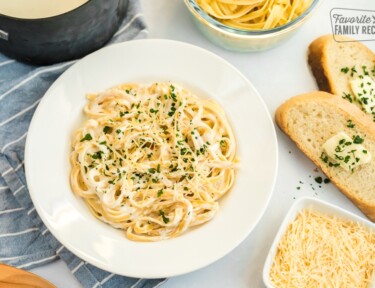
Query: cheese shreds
[[319, 250]]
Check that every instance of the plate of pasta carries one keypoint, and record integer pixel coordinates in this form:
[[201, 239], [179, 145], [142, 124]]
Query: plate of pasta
[[152, 165]]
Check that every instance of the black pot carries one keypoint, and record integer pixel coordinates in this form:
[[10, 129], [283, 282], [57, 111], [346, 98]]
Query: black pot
[[63, 37]]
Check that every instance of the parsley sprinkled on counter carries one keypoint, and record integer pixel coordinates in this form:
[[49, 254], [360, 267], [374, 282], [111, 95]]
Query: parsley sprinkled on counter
[[319, 180]]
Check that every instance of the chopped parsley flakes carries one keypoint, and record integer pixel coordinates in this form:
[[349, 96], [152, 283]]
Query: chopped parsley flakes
[[86, 138], [165, 219]]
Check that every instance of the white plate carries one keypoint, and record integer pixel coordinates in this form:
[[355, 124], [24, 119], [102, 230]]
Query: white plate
[[316, 205], [145, 61]]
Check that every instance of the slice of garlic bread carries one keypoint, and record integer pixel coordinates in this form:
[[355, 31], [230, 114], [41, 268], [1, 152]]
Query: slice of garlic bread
[[339, 138], [344, 67]]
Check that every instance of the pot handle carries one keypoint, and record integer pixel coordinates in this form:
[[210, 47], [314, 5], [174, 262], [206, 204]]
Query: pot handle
[[4, 35]]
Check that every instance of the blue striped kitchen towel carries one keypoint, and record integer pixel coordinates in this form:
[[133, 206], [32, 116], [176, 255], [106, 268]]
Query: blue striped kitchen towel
[[25, 242]]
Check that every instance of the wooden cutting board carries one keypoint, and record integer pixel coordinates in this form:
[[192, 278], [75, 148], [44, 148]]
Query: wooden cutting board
[[11, 277]]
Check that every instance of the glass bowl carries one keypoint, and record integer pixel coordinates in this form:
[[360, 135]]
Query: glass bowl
[[245, 40]]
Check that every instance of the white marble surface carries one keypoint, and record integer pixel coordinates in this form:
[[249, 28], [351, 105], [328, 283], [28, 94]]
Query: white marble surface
[[277, 74]]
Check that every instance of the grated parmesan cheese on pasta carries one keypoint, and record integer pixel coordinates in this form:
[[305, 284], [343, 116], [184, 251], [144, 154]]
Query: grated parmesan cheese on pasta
[[318, 250]]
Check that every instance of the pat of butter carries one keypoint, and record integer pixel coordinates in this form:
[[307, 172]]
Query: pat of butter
[[363, 88], [345, 152]]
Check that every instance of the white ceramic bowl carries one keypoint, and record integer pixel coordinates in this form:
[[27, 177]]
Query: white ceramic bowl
[[316, 205]]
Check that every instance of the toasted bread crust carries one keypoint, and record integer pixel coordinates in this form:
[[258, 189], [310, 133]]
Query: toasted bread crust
[[316, 60], [318, 54], [350, 112]]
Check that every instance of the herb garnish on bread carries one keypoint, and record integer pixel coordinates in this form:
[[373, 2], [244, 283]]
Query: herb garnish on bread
[[312, 120], [346, 68]]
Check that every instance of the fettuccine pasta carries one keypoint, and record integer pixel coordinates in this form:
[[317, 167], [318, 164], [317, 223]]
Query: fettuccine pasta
[[254, 14], [153, 160]]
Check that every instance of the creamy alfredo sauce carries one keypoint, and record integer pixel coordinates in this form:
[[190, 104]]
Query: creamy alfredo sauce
[[35, 9]]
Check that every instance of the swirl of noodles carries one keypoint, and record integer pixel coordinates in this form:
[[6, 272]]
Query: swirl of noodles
[[254, 14], [152, 160]]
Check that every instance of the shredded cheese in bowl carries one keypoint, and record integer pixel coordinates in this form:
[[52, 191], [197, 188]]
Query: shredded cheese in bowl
[[320, 250]]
